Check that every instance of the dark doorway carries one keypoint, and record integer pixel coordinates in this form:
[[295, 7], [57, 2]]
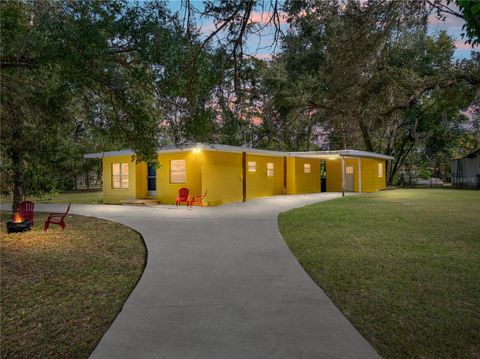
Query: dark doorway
[[323, 176], [152, 180]]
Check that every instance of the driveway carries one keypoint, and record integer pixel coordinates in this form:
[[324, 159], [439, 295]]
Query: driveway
[[220, 282]]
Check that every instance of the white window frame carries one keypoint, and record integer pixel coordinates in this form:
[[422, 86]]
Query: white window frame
[[270, 169], [307, 168], [380, 170], [121, 176], [252, 166], [179, 172]]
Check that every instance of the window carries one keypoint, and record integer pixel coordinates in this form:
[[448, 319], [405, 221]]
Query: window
[[252, 166], [119, 175], [380, 170], [349, 170], [178, 172], [307, 168], [270, 169]]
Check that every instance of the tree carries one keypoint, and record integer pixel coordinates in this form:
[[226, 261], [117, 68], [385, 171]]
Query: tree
[[369, 75], [93, 62]]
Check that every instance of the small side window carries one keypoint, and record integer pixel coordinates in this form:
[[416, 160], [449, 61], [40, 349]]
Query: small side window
[[178, 171], [252, 166], [270, 169], [307, 168], [119, 175], [380, 170]]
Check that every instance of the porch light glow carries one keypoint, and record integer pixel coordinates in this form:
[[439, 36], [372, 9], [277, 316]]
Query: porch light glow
[[332, 158], [196, 150]]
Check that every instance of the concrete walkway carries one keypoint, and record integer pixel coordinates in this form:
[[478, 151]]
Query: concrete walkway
[[220, 282]]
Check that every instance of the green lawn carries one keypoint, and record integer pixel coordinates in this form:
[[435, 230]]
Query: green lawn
[[60, 290], [66, 197], [403, 266]]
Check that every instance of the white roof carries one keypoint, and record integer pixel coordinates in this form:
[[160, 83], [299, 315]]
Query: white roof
[[240, 149], [340, 153]]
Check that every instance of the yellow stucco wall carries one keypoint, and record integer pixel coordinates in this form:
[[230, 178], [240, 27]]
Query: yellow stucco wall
[[258, 183], [221, 177], [298, 181], [307, 182], [221, 174], [115, 195], [167, 191], [291, 175], [334, 175], [370, 180]]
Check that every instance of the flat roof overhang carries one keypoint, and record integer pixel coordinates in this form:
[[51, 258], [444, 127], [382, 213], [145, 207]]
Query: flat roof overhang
[[325, 155]]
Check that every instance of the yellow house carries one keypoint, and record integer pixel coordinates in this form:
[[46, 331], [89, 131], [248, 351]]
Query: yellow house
[[233, 173]]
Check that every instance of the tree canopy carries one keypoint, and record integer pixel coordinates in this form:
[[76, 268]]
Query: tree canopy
[[95, 75]]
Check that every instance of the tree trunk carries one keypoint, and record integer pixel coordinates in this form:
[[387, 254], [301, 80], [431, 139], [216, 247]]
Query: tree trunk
[[309, 135], [343, 137], [366, 136], [17, 162]]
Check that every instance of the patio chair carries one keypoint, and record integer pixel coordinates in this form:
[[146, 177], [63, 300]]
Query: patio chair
[[25, 210], [198, 200], [56, 218], [182, 197]]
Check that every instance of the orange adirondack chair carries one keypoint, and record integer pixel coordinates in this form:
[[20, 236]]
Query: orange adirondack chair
[[25, 210], [198, 200], [183, 196], [56, 218]]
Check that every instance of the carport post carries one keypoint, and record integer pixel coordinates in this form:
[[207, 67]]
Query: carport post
[[244, 176], [343, 176], [359, 175]]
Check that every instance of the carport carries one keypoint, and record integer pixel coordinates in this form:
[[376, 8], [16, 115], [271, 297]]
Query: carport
[[349, 168]]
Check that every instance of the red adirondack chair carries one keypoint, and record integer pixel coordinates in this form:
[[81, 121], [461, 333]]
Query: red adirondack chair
[[25, 210], [182, 197], [56, 218], [198, 200]]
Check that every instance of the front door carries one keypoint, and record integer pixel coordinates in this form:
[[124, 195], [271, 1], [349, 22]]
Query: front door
[[349, 182], [152, 181]]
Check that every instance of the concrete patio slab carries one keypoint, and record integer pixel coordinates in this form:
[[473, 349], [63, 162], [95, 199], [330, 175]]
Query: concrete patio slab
[[220, 282]]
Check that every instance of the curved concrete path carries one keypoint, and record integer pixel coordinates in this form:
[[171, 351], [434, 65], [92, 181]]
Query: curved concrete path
[[220, 282]]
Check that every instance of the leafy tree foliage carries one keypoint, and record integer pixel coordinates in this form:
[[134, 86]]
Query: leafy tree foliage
[[105, 65], [369, 76], [93, 75]]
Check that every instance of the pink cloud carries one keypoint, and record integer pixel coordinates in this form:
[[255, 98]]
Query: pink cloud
[[266, 57], [461, 45], [264, 17], [450, 20], [208, 27]]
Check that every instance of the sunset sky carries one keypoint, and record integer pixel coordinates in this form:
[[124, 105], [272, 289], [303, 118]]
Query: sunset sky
[[261, 46]]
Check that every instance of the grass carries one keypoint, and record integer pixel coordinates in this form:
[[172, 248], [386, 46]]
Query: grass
[[60, 290], [66, 197], [403, 266]]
